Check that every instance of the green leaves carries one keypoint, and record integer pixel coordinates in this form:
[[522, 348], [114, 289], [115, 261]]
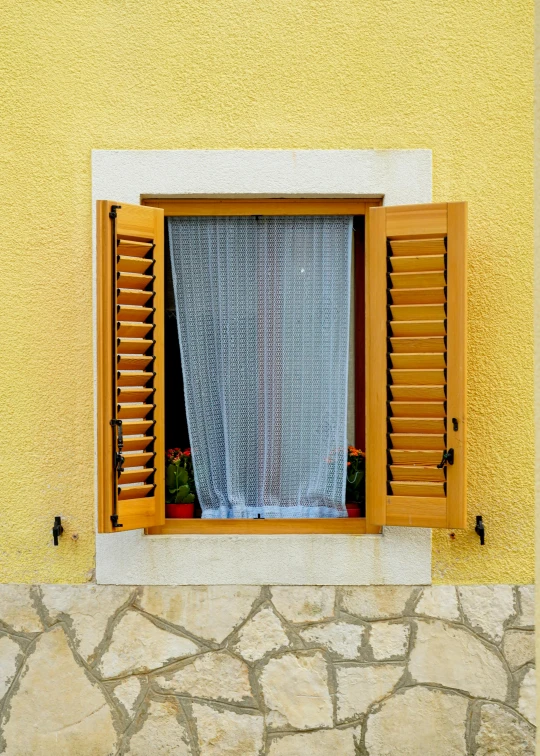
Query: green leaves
[[178, 484], [356, 475], [184, 498], [181, 494]]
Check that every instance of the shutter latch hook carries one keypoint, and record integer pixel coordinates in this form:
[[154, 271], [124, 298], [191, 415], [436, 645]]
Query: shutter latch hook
[[57, 529], [447, 458], [480, 529]]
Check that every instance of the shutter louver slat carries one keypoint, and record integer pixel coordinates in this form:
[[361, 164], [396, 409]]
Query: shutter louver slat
[[416, 472], [130, 314], [418, 312], [417, 393], [137, 459], [133, 281], [417, 296], [417, 264], [134, 330], [137, 443], [417, 409], [133, 297], [424, 280], [133, 362], [419, 457], [416, 488], [135, 476], [415, 441], [131, 377], [134, 411], [133, 346], [135, 492], [133, 248], [404, 361], [133, 394], [418, 344], [131, 269], [417, 377], [416, 348], [417, 424], [411, 329], [133, 264], [408, 247]]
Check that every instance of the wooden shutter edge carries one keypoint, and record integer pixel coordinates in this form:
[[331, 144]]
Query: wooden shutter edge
[[376, 368], [105, 366], [159, 367], [457, 363]]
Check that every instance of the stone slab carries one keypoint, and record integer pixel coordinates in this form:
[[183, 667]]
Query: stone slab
[[88, 609], [502, 732], [488, 608], [139, 646], [261, 635], [216, 675], [304, 603], [226, 733], [295, 691], [360, 686], [456, 658], [340, 638], [401, 726], [161, 734], [373, 602], [57, 709], [211, 612], [318, 743]]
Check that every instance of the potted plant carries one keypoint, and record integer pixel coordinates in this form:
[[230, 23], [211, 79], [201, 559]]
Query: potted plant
[[355, 493], [180, 483]]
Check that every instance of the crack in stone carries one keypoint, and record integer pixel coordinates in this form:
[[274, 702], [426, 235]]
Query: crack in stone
[[74, 724]]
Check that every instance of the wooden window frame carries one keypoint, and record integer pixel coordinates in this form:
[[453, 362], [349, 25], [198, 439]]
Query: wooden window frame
[[286, 206]]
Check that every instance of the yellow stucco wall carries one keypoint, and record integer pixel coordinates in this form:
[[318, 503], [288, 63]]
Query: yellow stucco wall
[[452, 77]]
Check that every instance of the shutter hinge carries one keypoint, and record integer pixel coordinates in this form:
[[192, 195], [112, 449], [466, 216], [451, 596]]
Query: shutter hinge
[[112, 212], [115, 523], [118, 465]]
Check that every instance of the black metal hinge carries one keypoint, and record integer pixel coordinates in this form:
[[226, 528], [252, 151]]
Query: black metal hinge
[[118, 466]]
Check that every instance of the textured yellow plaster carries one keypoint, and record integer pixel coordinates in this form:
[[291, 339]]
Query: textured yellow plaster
[[454, 77]]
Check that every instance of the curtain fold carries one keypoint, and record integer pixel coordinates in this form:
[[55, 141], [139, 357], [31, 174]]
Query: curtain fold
[[263, 322]]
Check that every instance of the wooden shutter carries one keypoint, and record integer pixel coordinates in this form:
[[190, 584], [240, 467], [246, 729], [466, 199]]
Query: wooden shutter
[[131, 454], [416, 369]]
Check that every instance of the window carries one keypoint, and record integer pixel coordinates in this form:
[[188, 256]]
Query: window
[[421, 251]]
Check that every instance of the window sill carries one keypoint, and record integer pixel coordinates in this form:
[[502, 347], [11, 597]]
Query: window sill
[[339, 525], [399, 556]]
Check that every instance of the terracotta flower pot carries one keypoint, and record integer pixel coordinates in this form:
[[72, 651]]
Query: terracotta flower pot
[[175, 511]]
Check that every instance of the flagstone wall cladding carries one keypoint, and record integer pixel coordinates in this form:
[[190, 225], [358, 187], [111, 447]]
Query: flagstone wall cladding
[[277, 670]]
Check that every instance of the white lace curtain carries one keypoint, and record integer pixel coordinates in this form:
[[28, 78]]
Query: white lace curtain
[[263, 321]]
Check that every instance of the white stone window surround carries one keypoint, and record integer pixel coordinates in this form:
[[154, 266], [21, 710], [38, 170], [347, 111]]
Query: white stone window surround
[[399, 555]]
